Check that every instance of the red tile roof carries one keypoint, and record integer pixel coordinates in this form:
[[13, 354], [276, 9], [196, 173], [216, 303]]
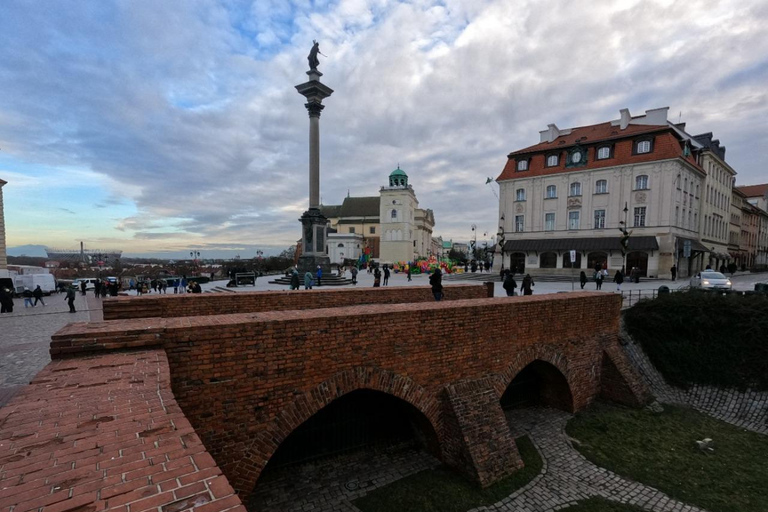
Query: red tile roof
[[666, 146], [754, 190]]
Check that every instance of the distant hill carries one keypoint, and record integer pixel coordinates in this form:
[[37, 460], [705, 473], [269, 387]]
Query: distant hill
[[37, 251]]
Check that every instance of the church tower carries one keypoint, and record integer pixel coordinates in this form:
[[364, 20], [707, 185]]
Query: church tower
[[396, 216]]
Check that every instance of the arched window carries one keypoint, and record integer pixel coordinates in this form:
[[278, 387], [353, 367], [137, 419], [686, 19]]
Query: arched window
[[551, 192], [394, 214], [340, 245], [575, 189], [641, 182], [548, 260], [601, 187], [520, 194]]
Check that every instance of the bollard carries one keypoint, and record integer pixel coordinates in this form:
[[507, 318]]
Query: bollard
[[663, 290]]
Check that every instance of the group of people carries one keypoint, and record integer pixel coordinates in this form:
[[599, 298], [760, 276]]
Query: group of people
[[510, 285], [475, 265], [601, 274]]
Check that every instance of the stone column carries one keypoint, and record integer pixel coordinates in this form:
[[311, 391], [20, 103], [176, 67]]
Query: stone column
[[314, 224]]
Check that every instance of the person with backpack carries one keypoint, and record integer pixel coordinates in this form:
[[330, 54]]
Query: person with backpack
[[509, 283], [618, 279], [528, 285], [436, 281], [38, 294]]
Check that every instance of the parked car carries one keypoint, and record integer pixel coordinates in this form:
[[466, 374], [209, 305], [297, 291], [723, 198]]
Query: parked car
[[711, 280], [90, 283]]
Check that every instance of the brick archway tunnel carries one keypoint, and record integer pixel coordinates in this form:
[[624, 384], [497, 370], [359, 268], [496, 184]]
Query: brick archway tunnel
[[247, 381]]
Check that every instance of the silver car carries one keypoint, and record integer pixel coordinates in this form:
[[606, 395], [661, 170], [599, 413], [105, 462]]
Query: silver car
[[711, 280]]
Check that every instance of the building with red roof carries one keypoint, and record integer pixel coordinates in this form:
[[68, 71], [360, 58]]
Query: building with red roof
[[578, 187]]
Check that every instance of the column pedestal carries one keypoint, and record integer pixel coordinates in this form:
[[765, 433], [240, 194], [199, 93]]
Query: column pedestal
[[314, 227]]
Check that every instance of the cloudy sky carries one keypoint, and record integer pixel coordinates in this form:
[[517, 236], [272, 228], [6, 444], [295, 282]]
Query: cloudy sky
[[162, 125]]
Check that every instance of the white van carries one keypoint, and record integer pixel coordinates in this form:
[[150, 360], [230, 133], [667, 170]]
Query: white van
[[46, 282], [90, 283]]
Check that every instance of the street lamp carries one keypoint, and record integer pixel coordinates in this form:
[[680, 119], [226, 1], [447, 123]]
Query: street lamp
[[259, 254], [474, 240], [194, 255], [624, 238]]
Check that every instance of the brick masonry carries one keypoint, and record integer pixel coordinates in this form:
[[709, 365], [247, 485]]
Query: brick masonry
[[105, 433], [246, 381], [168, 306]]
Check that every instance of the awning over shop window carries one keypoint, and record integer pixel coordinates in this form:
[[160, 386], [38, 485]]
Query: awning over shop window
[[636, 243], [696, 246]]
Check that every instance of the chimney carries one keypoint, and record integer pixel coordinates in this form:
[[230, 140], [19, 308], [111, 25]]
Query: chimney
[[550, 134], [625, 118]]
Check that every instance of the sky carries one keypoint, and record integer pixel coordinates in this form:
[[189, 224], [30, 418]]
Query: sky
[[159, 127]]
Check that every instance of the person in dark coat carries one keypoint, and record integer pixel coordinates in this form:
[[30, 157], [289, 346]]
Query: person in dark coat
[[436, 281], [598, 280], [376, 277], [70, 298], [618, 279], [673, 271], [509, 284], [6, 301], [353, 271], [386, 275], [582, 279], [82, 287], [528, 284], [97, 288], [408, 272], [38, 294], [295, 280]]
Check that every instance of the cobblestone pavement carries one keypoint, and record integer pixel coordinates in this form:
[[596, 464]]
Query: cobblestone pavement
[[25, 336], [332, 484], [748, 410]]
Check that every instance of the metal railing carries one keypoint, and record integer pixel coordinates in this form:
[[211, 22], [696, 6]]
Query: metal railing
[[631, 297]]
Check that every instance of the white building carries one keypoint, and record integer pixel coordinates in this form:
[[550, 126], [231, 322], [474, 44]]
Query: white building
[[576, 187]]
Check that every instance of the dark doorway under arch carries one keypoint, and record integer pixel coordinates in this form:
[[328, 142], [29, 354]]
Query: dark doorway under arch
[[517, 262], [539, 383], [638, 260], [359, 419]]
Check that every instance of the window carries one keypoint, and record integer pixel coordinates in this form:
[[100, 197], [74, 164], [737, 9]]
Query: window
[[549, 222], [573, 220], [522, 165], [576, 189], [643, 146], [641, 182], [552, 161], [599, 219], [678, 182], [520, 194], [603, 153], [394, 214], [551, 192], [640, 216], [372, 230], [697, 191], [601, 187], [351, 230], [677, 215], [519, 222], [548, 260]]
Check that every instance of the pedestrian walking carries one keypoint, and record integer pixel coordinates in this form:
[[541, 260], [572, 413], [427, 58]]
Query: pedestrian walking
[[183, 287], [6, 301], [582, 279], [386, 275], [509, 284], [295, 279], [38, 293], [376, 277], [598, 280], [97, 288], [82, 287], [528, 285], [308, 280], [436, 281], [319, 275], [618, 279], [408, 272], [70, 298], [353, 271], [673, 271], [27, 298]]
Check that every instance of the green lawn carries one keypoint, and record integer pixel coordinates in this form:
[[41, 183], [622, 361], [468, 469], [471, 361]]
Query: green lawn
[[660, 450], [601, 505], [442, 490]]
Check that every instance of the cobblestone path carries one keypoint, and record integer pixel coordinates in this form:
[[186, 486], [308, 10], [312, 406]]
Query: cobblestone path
[[25, 337], [748, 410], [567, 476]]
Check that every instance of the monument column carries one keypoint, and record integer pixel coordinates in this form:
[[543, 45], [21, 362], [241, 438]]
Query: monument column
[[314, 224]]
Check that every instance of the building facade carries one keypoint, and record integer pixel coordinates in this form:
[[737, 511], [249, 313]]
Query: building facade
[[755, 220], [391, 226], [577, 187], [3, 253]]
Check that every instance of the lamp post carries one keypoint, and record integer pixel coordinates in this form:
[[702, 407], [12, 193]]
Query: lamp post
[[474, 240], [259, 264], [194, 255], [624, 241]]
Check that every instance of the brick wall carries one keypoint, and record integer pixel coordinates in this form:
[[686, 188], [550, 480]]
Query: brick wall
[[102, 433], [246, 381], [169, 306]]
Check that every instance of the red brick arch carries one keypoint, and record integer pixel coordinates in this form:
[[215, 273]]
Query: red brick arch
[[545, 353], [310, 402]]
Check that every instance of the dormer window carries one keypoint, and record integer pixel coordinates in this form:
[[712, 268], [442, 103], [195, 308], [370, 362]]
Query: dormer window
[[522, 165], [642, 146], [603, 152], [553, 161], [520, 194], [575, 189]]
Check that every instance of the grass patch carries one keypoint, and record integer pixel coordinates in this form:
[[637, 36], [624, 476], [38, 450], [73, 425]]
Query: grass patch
[[442, 490], [660, 450], [602, 505], [705, 338]]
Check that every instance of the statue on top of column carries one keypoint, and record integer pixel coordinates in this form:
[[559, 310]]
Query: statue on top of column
[[312, 57]]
